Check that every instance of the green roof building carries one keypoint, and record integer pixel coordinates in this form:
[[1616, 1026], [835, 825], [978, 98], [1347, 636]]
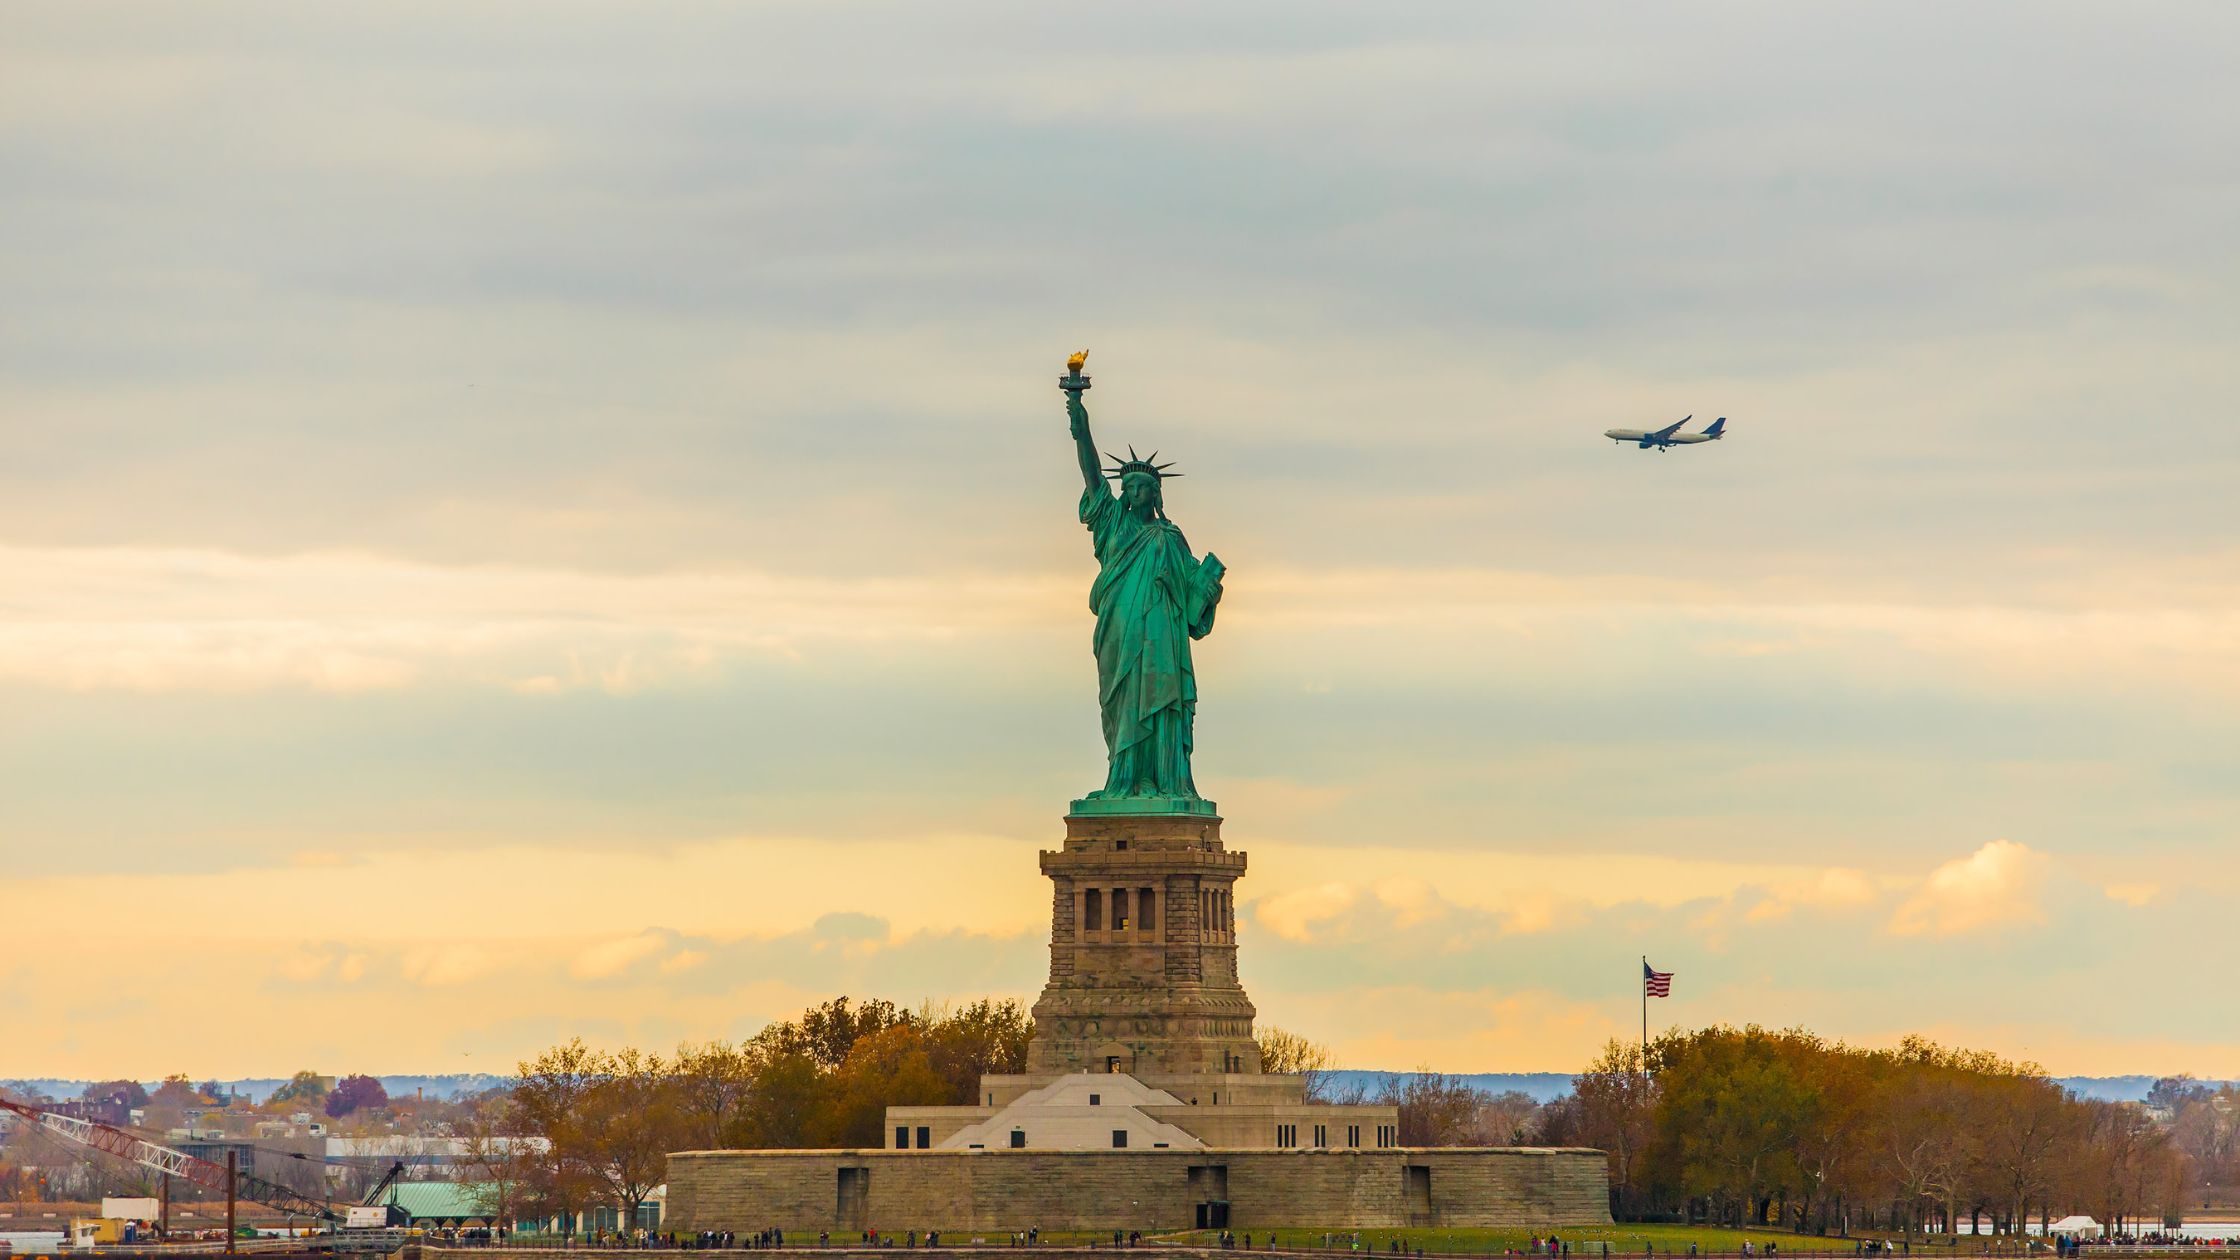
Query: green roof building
[[461, 1204]]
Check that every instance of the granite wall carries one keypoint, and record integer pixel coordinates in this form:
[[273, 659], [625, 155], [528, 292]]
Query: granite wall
[[894, 1191]]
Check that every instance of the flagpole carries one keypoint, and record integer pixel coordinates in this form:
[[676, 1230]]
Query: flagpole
[[1644, 1021]]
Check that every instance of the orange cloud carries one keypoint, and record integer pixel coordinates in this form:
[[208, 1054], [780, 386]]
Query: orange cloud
[[1996, 886]]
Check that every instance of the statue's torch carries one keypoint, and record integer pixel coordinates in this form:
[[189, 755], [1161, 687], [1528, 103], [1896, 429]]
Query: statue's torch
[[1073, 382]]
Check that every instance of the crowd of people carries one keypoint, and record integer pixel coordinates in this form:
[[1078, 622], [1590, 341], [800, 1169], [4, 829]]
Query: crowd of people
[[2156, 1238], [775, 1239]]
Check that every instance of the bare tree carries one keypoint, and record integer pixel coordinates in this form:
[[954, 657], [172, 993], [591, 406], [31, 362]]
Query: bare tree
[[714, 1082], [1435, 1109], [623, 1128], [548, 1088], [1921, 1118], [1505, 1119], [503, 1167], [2022, 1141]]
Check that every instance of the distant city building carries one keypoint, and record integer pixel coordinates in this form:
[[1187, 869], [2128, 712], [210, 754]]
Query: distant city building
[[114, 1108], [294, 1161]]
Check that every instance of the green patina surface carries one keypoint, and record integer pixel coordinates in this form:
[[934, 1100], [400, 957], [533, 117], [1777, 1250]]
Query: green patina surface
[[1151, 599], [1138, 806]]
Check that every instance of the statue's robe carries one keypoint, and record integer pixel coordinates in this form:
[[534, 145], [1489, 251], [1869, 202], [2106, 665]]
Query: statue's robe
[[1151, 598]]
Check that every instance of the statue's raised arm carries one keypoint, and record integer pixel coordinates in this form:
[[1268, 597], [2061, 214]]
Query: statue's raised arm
[[1085, 447], [1092, 472]]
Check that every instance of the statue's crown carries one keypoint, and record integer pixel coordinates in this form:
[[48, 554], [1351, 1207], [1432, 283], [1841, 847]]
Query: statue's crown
[[1137, 463]]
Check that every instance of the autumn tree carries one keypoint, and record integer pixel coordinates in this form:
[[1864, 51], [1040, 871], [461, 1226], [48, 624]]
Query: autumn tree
[[804, 1090], [890, 1068], [2175, 1092], [982, 1038], [549, 1093], [827, 1033], [1729, 1107], [130, 1094], [302, 1089], [623, 1127], [169, 1103], [1611, 1107], [548, 1088], [789, 1092], [1749, 1126], [354, 1092], [1831, 1160]]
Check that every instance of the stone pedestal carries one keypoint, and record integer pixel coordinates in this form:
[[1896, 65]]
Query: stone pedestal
[[1143, 950]]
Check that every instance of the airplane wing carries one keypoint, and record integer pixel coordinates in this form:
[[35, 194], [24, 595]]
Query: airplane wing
[[1673, 428]]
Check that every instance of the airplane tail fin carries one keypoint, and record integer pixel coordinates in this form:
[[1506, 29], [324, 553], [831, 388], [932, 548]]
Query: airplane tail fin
[[1718, 428]]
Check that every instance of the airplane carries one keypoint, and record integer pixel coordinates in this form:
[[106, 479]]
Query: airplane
[[1666, 438]]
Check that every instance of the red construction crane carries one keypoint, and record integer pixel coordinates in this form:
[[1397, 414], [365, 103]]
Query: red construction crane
[[210, 1176]]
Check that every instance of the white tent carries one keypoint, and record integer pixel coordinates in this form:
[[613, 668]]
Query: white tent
[[130, 1209], [2075, 1225]]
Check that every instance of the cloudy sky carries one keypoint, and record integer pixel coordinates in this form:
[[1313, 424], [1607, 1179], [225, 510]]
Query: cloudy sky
[[527, 520]]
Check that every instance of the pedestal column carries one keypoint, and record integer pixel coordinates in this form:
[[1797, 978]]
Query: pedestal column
[[1143, 950]]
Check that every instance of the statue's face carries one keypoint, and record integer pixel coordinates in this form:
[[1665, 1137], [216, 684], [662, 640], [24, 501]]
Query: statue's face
[[1140, 493]]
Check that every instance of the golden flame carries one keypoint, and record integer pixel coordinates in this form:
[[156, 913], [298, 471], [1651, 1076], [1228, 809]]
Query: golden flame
[[1074, 364]]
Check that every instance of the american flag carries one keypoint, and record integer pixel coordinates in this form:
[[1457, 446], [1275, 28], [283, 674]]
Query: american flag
[[1655, 983]]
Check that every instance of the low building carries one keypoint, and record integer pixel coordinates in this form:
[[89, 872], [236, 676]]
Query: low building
[[444, 1204], [1085, 1111]]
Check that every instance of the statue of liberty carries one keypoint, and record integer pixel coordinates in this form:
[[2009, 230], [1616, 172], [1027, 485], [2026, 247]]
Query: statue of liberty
[[1151, 597]]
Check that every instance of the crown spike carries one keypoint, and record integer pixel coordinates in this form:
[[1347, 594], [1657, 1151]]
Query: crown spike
[[1137, 463]]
